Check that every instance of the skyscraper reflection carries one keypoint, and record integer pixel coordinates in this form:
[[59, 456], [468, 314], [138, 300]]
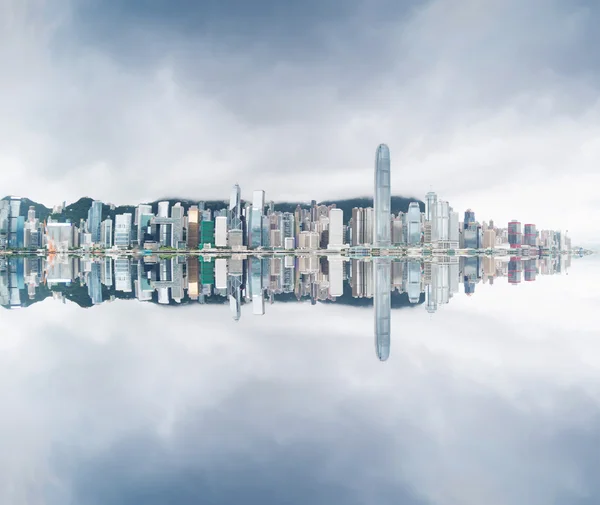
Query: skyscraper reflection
[[382, 271], [241, 280]]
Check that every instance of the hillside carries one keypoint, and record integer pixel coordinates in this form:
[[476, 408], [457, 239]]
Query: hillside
[[79, 209]]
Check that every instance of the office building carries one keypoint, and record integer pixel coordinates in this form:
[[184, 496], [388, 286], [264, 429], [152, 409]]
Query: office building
[[141, 223], [530, 235], [515, 238], [123, 230], [221, 231], [193, 228], [235, 220], [336, 229], [106, 233], [94, 222], [256, 219], [489, 239], [431, 216], [59, 237], [382, 198], [413, 217]]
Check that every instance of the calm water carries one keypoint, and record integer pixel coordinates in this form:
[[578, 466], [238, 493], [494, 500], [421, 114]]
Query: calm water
[[487, 397]]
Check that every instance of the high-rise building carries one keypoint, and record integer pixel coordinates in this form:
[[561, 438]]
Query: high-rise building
[[193, 228], [59, 237], [141, 224], [164, 229], [123, 230], [221, 231], [469, 217], [530, 235], [177, 217], [256, 219], [336, 228], [414, 224], [235, 220], [489, 239], [207, 233], [431, 215], [94, 221], [106, 233], [514, 234]]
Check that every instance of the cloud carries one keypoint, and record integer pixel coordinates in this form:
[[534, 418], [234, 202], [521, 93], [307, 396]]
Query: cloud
[[492, 105]]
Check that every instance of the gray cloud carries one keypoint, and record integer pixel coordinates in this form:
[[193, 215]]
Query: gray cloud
[[485, 104]]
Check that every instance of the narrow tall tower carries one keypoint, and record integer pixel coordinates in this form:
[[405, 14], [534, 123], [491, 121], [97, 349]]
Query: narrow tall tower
[[382, 198]]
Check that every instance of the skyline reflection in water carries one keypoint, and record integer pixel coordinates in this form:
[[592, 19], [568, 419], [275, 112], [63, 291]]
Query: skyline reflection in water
[[254, 280], [130, 403]]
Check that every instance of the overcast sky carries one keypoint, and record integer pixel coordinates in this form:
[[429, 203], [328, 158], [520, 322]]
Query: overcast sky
[[494, 105]]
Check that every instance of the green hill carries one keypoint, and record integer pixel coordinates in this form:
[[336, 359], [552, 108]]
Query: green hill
[[79, 210]]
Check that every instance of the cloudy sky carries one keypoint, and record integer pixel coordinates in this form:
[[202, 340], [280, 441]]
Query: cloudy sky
[[494, 105], [118, 404]]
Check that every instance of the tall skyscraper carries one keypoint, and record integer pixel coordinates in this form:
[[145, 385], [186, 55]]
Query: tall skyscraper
[[256, 219], [515, 237], [234, 216], [431, 215], [140, 223], [336, 228], [413, 217], [382, 198], [106, 233], [221, 231], [95, 221], [193, 234], [123, 230]]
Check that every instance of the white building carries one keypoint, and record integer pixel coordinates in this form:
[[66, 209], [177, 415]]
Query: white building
[[59, 236], [336, 229], [123, 230], [221, 231]]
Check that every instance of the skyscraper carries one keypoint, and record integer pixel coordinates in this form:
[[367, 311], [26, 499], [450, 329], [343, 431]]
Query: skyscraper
[[336, 228], [235, 221], [382, 197], [515, 237], [413, 217], [123, 230], [95, 221], [431, 215], [256, 219], [193, 234]]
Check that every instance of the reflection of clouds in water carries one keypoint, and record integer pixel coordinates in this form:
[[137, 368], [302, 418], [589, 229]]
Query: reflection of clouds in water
[[120, 404]]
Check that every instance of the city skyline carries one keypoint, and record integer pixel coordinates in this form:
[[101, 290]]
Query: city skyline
[[523, 128]]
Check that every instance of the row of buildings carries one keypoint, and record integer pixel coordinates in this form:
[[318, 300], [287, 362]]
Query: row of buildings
[[255, 225]]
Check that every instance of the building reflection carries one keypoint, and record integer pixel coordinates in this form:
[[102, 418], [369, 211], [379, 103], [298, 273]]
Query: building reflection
[[383, 282]]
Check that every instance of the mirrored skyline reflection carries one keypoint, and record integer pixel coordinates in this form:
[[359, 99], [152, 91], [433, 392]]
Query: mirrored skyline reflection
[[128, 403], [256, 281]]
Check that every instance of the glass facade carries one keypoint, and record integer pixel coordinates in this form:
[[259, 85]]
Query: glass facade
[[382, 198]]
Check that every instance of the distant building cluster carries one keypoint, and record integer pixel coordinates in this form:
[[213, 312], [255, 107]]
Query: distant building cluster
[[257, 225]]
